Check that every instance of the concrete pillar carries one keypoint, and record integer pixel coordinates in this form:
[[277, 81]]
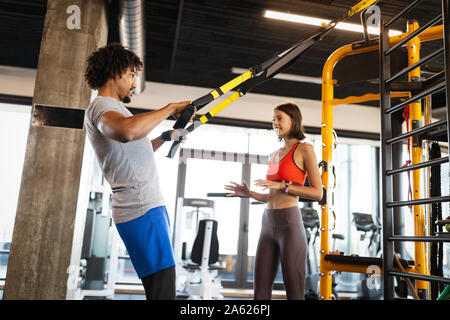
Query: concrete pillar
[[48, 226]]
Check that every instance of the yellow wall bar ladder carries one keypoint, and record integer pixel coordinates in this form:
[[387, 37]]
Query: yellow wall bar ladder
[[328, 102]]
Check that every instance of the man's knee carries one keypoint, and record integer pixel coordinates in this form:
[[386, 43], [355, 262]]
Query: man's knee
[[160, 285]]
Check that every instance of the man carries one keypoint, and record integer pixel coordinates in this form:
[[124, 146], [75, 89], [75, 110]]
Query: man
[[127, 160]]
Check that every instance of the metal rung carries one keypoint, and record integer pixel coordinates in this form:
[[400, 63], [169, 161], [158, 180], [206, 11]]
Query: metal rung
[[420, 238], [417, 202], [406, 86], [417, 131], [419, 276], [419, 96], [426, 59], [418, 86], [401, 13], [443, 222], [436, 78], [425, 164], [415, 33]]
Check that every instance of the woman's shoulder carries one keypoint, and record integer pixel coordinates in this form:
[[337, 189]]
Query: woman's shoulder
[[304, 148]]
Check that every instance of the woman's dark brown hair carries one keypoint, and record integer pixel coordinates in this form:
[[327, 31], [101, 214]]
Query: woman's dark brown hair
[[108, 63], [293, 111]]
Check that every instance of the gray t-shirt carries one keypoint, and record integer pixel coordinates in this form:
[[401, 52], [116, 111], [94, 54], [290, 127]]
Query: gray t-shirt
[[129, 168]]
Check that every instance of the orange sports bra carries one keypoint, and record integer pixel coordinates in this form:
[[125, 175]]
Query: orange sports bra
[[286, 169]]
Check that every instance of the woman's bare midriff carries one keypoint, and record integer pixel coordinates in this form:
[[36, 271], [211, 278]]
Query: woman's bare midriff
[[280, 200]]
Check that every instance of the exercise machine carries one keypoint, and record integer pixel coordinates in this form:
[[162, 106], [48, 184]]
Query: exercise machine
[[368, 288], [203, 281], [196, 250], [364, 223], [311, 222]]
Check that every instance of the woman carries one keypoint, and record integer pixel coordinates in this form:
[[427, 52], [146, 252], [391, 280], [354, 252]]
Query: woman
[[282, 235]]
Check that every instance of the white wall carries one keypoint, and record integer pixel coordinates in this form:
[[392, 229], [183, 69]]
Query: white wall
[[14, 123], [258, 107]]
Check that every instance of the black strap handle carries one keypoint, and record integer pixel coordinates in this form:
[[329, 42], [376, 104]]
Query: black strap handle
[[187, 113], [173, 149], [185, 116]]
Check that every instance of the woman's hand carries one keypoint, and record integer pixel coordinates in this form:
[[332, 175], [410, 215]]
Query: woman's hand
[[268, 184], [238, 189]]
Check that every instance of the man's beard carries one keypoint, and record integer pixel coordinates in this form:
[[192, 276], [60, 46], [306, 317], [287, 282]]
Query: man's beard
[[127, 98]]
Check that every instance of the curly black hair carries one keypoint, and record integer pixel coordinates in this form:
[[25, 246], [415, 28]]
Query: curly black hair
[[109, 62]]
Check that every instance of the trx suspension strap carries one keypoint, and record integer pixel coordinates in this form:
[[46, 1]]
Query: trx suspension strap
[[255, 76]]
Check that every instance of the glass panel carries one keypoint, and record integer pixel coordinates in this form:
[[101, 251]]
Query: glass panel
[[4, 255], [361, 195], [204, 176], [342, 192], [353, 193], [126, 273], [14, 125], [218, 138], [263, 142]]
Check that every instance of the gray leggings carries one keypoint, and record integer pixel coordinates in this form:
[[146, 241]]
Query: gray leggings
[[282, 239]]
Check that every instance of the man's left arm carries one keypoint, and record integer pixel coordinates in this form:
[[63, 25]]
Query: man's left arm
[[170, 135], [157, 142]]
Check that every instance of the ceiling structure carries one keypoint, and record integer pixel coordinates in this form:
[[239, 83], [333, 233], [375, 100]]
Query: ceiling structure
[[198, 42]]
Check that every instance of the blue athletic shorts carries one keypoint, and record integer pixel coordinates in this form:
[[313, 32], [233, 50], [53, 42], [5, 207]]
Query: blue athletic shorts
[[148, 242]]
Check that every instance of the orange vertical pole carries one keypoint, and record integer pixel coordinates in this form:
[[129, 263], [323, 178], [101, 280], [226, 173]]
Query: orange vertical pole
[[416, 149], [327, 157]]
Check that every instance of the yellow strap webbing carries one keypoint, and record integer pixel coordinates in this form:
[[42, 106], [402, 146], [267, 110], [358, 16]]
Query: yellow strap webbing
[[221, 106], [360, 6], [232, 84]]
